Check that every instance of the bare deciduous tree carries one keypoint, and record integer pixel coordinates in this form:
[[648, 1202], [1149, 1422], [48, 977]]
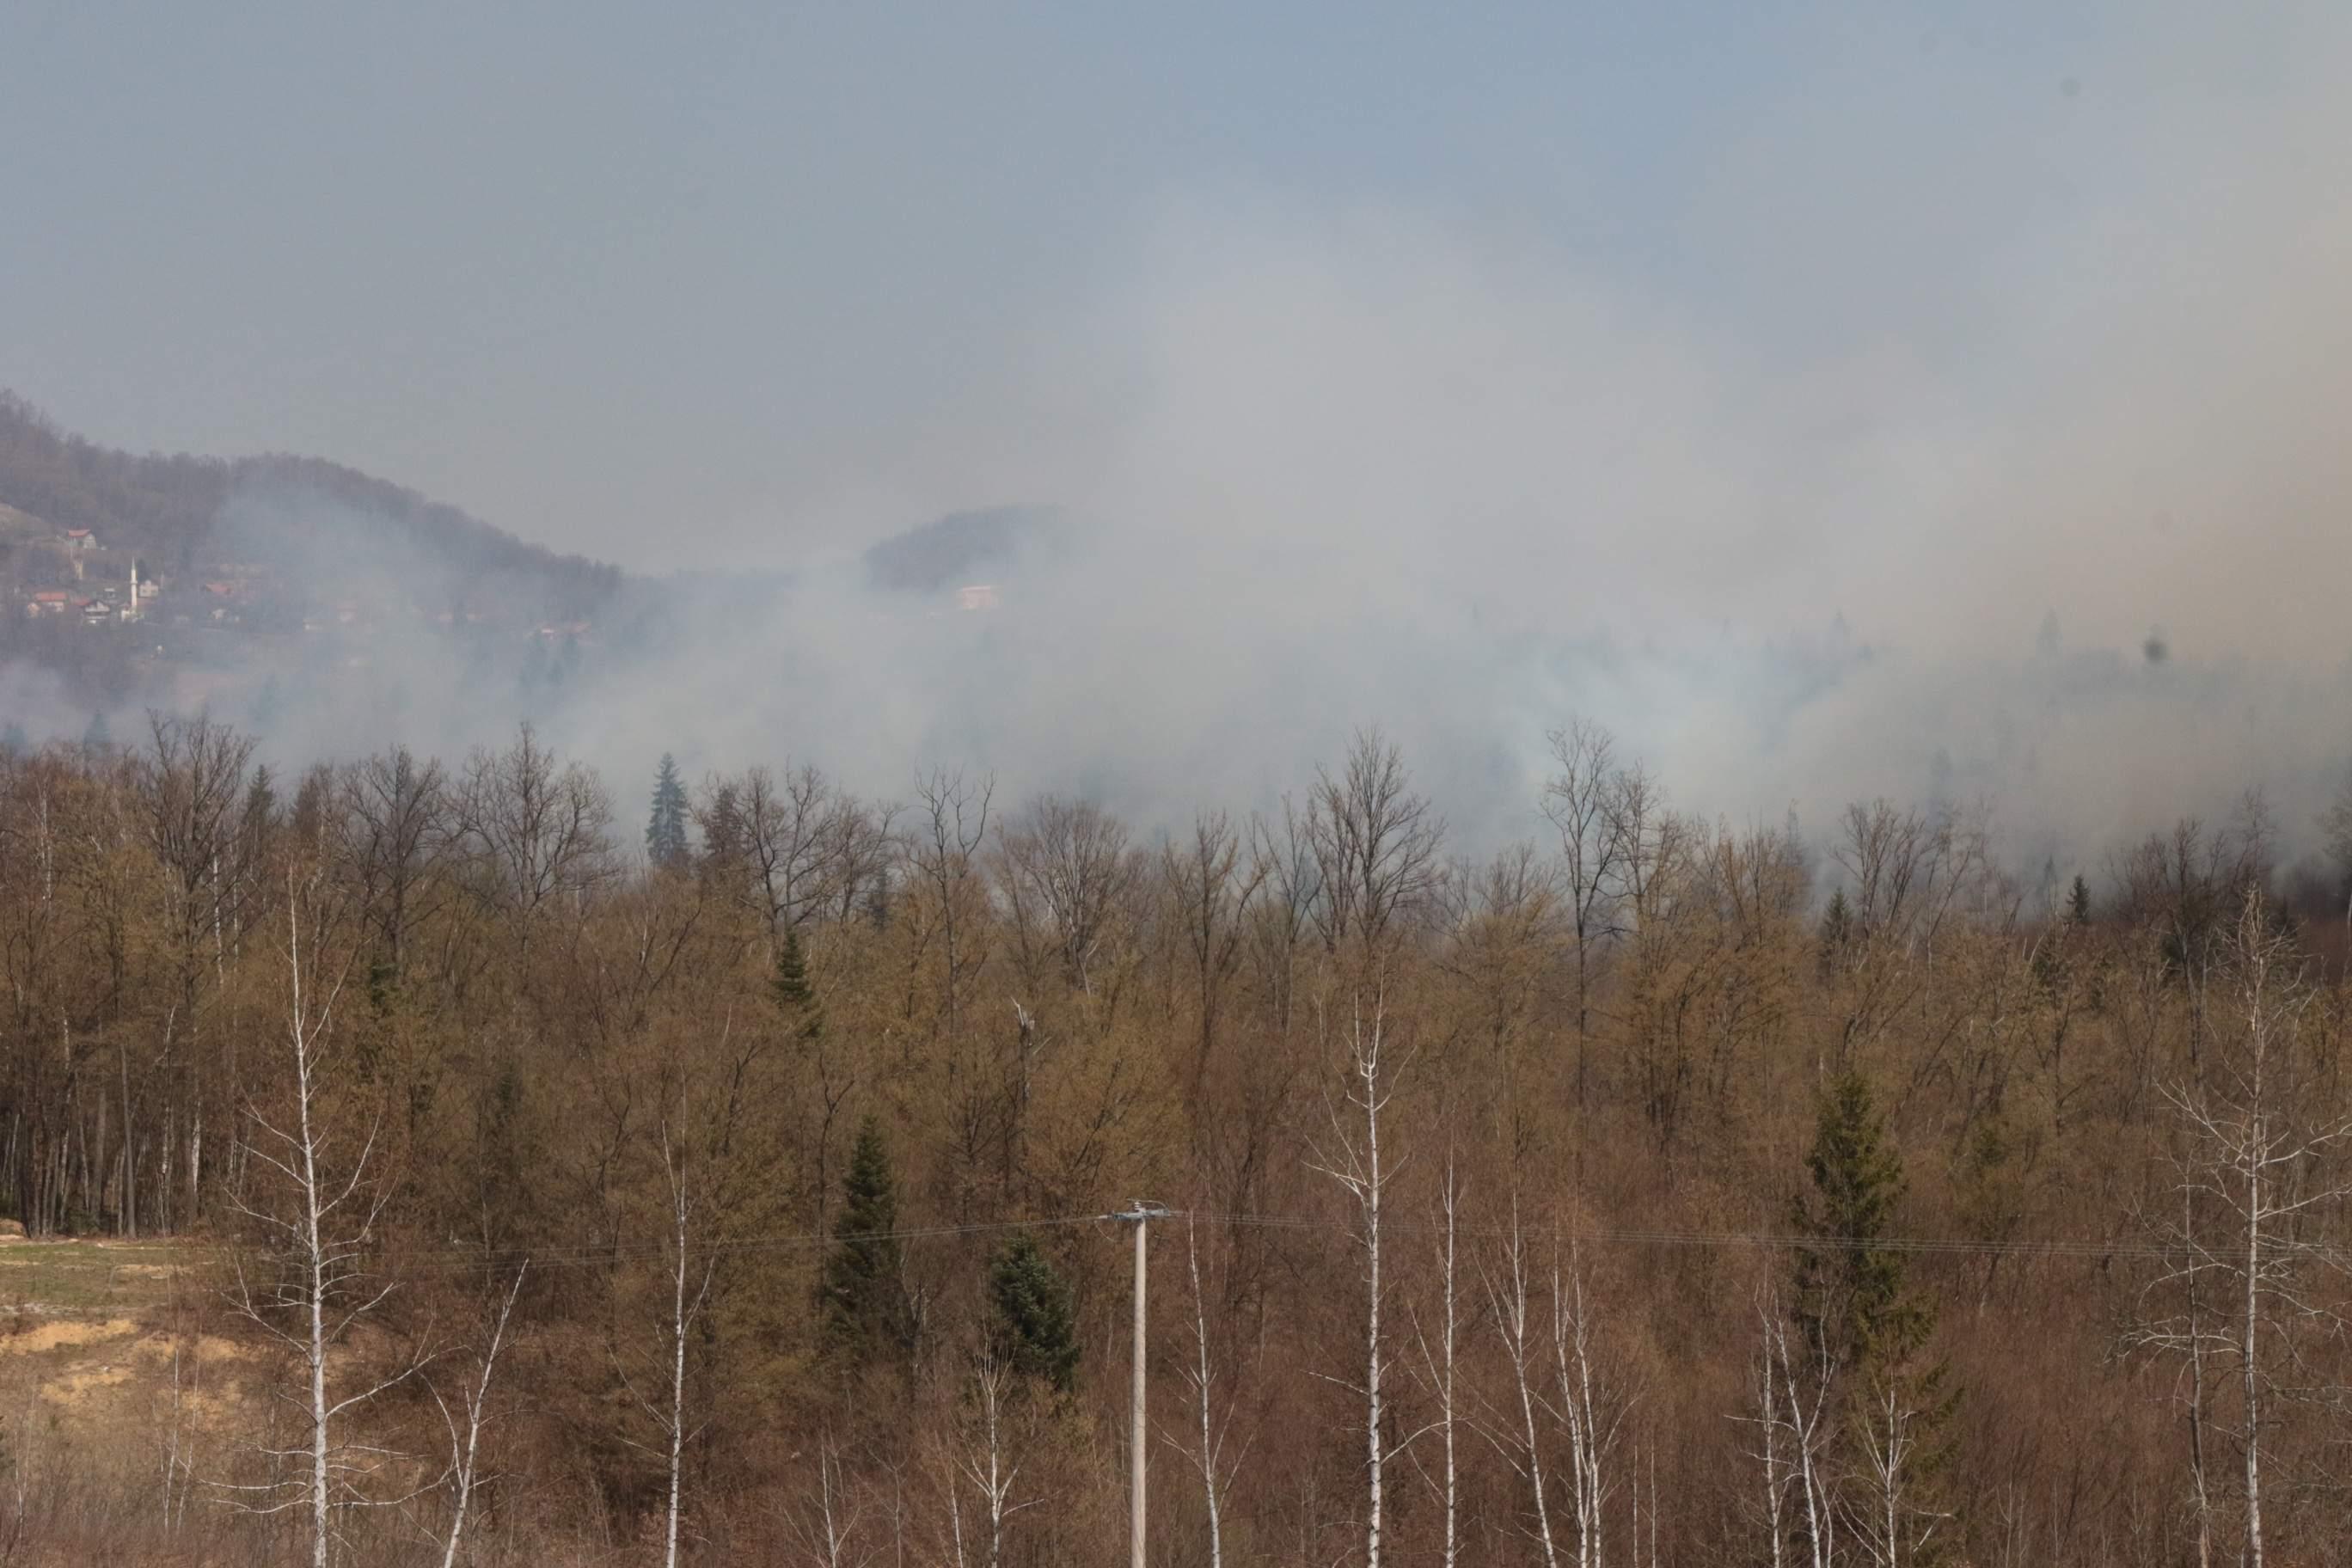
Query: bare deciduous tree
[[1353, 1158], [683, 1315], [1888, 1519], [464, 1475], [828, 1528], [1593, 1408], [1067, 872], [1375, 842], [1594, 841], [313, 1225], [986, 1460], [1792, 1402], [535, 832], [394, 825], [1213, 891], [1438, 1365], [796, 841], [951, 824], [1208, 1455], [1519, 1437], [2257, 1184]]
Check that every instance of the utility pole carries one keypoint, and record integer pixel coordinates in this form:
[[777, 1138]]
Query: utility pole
[[1139, 1215]]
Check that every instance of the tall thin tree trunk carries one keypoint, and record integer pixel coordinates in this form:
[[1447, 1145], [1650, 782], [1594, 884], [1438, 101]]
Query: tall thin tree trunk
[[130, 1216], [1445, 1382], [463, 1463], [677, 1379], [314, 1265], [2197, 1408], [1204, 1385], [2247, 1364], [1373, 1455]]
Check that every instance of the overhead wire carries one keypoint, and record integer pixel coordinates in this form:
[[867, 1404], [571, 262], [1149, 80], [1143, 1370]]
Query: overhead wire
[[461, 1259]]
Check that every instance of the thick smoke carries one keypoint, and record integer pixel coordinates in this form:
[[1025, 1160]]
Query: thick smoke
[[2014, 475]]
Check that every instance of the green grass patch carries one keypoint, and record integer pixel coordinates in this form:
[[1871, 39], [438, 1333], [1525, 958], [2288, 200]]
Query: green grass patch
[[90, 1275]]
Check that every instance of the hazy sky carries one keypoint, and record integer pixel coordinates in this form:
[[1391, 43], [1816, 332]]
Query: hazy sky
[[1391, 352], [710, 282]]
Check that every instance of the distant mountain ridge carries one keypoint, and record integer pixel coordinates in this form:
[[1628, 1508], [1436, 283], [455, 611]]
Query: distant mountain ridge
[[303, 577], [169, 509], [962, 547]]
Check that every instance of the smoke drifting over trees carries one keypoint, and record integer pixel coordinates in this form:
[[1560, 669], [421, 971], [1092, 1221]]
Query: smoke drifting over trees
[[1301, 468], [1693, 812]]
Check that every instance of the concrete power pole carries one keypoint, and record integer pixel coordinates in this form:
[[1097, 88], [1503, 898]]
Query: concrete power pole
[[1139, 1215]]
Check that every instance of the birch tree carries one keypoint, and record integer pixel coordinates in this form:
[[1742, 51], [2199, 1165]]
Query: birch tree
[[829, 1527], [1591, 1407], [2257, 1184], [986, 1461], [1520, 1436], [463, 1474], [684, 1313], [1208, 1455], [1438, 1363], [312, 1220], [1889, 1517], [1353, 1158], [1791, 1405]]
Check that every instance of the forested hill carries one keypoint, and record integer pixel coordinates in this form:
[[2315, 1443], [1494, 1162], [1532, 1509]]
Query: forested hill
[[170, 508]]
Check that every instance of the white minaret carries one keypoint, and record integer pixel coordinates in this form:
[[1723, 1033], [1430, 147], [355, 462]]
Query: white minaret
[[131, 610]]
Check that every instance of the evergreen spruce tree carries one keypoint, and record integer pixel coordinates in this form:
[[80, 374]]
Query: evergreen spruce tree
[[793, 991], [863, 1296], [14, 742], [1851, 1298], [1837, 929], [722, 838], [665, 844], [98, 737], [2078, 902], [1854, 1304], [1036, 1324]]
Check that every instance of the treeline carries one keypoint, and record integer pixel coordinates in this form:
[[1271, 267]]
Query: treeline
[[1664, 1191]]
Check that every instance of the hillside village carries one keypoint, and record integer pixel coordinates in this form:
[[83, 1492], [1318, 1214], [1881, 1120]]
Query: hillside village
[[154, 578], [71, 575], [66, 573]]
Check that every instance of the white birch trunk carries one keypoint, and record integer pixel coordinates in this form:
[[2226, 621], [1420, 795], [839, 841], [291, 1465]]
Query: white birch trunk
[[464, 1462], [1354, 1164]]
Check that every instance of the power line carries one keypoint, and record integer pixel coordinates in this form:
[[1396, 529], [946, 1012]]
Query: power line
[[2060, 1248], [585, 1254]]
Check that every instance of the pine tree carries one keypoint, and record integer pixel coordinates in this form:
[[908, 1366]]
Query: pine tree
[[1851, 1297], [1837, 929], [863, 1296], [14, 742], [1037, 1325], [665, 844], [2078, 902], [791, 986], [722, 838], [98, 737], [1854, 1306]]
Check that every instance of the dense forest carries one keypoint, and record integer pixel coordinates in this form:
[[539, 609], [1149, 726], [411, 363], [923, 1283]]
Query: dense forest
[[740, 1190]]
